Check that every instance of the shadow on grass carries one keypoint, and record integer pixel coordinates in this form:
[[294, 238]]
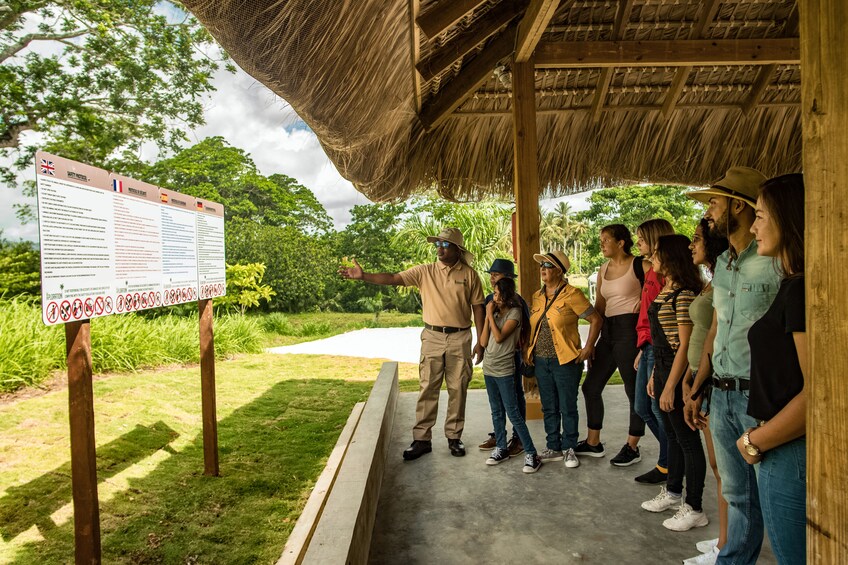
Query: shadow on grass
[[33, 503], [271, 452]]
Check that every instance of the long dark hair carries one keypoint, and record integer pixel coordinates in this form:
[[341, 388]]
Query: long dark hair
[[510, 299], [619, 232], [676, 260], [714, 244], [783, 196]]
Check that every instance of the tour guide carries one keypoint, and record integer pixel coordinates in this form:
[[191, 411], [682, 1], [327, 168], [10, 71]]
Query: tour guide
[[450, 290]]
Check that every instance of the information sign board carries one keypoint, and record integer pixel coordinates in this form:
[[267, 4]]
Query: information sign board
[[179, 246], [211, 262]]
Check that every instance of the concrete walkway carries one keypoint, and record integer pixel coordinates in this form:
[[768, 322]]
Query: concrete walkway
[[442, 509]]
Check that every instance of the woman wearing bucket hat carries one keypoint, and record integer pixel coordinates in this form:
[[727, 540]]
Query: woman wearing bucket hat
[[555, 350]]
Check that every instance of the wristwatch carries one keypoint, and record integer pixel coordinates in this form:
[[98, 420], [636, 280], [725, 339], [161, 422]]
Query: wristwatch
[[752, 449]]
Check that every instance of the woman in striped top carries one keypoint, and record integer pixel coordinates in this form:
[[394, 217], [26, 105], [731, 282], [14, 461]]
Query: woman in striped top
[[671, 328]]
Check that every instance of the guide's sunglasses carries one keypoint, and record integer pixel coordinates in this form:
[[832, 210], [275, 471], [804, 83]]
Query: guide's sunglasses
[[548, 265], [442, 244]]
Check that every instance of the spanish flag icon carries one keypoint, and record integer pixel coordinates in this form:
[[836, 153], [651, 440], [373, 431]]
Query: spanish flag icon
[[163, 197]]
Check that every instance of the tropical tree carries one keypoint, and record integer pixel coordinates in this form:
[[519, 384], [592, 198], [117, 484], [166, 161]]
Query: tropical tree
[[20, 268], [99, 78], [216, 170]]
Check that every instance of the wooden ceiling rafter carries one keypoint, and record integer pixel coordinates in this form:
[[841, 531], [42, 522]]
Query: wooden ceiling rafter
[[463, 43], [698, 31], [443, 15], [668, 53], [758, 88], [619, 108], [622, 18], [415, 52], [536, 19], [473, 75]]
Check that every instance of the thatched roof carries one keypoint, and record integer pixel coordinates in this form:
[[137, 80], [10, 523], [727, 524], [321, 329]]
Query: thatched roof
[[348, 68]]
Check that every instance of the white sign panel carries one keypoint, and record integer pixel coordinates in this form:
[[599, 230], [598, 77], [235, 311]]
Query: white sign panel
[[138, 244], [76, 230], [211, 260], [179, 247]]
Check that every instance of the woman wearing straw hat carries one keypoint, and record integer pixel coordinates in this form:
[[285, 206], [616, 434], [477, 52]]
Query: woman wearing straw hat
[[556, 352]]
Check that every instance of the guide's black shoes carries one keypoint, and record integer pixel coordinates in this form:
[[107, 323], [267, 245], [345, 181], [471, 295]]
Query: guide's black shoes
[[417, 449], [457, 448]]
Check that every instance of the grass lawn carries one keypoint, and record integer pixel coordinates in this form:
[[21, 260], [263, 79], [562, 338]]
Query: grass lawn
[[279, 416]]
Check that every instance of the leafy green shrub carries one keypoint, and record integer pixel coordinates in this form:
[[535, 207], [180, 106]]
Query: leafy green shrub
[[314, 328], [277, 323]]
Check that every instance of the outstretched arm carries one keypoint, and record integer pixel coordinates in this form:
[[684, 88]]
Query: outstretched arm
[[356, 273]]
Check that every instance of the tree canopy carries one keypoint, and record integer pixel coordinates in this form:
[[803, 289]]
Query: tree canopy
[[99, 78]]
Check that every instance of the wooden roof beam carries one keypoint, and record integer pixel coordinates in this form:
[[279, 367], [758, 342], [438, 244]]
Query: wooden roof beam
[[475, 73], [618, 108], [532, 26], [758, 88], [414, 53], [673, 53], [440, 59], [622, 17], [706, 17], [443, 15]]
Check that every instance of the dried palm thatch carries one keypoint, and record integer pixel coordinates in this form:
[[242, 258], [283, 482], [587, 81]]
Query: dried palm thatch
[[347, 67]]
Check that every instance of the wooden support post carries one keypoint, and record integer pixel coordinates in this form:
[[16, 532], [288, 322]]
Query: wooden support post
[[83, 461], [824, 115], [526, 171], [207, 389]]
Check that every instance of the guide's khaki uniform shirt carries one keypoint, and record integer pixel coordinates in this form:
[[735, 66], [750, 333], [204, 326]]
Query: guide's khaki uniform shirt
[[447, 292]]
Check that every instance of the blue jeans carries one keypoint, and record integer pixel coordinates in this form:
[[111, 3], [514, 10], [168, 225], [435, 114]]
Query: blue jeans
[[783, 496], [728, 421], [558, 386], [502, 401], [649, 408]]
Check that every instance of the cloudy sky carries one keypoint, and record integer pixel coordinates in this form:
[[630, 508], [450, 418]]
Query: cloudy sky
[[252, 118]]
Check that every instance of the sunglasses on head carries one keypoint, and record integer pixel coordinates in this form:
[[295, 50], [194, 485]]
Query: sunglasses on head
[[442, 244], [548, 265]]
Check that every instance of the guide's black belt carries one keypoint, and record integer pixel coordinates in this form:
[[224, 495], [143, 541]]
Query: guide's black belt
[[445, 329], [731, 384]]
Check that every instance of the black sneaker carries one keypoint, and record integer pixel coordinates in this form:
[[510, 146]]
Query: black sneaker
[[532, 463], [627, 456], [417, 449], [457, 448], [652, 477], [583, 448]]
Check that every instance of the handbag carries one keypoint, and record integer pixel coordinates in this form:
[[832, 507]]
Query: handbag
[[529, 370]]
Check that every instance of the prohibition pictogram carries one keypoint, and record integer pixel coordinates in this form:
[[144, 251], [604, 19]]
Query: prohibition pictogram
[[65, 311], [192, 294], [184, 294], [99, 305], [52, 312], [158, 298], [143, 300], [173, 294], [128, 302], [76, 309], [151, 298], [120, 303], [88, 307], [136, 301], [109, 303]]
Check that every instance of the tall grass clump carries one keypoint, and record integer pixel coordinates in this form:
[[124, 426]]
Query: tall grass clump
[[128, 342], [277, 323], [310, 329], [29, 350]]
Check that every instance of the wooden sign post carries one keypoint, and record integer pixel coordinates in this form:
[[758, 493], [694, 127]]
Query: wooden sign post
[[207, 389], [83, 461]]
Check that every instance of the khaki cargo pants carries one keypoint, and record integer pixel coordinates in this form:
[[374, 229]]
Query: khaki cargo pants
[[443, 357]]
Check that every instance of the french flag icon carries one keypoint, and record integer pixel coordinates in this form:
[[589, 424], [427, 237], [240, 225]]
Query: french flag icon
[[117, 186]]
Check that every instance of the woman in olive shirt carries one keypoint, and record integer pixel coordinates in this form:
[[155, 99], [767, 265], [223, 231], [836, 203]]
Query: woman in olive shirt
[[557, 355]]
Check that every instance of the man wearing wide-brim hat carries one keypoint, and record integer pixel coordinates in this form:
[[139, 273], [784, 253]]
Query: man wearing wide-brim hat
[[450, 292], [745, 285]]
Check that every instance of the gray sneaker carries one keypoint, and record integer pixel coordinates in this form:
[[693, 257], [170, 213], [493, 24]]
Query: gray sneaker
[[571, 460], [551, 455]]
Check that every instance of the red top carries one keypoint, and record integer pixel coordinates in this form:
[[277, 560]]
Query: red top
[[650, 290]]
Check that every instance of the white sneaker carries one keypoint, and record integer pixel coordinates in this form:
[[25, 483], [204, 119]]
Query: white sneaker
[[571, 460], [707, 545], [662, 502], [686, 519], [707, 558]]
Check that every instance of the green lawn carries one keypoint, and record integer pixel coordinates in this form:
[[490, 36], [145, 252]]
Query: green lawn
[[279, 417]]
